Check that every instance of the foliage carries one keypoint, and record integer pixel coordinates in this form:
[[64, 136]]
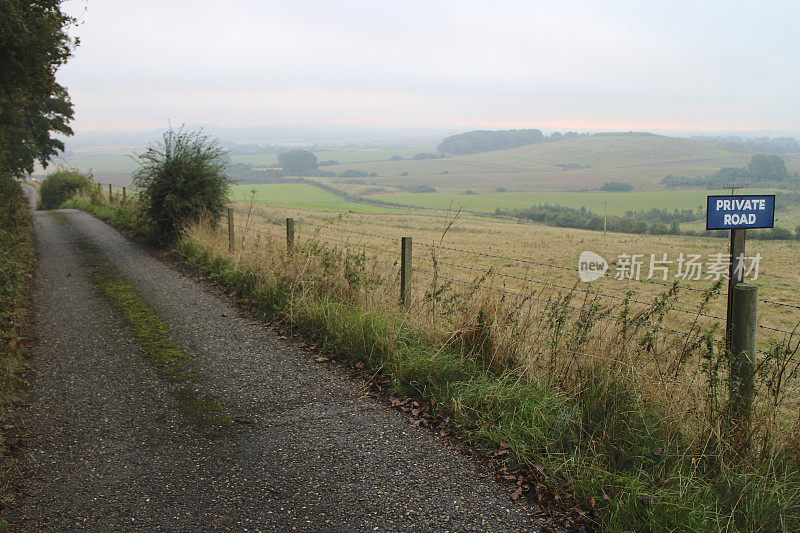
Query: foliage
[[616, 186], [763, 170], [34, 43], [298, 162], [181, 178], [483, 140], [16, 291], [60, 186]]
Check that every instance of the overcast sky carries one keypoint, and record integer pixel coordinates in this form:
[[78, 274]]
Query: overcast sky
[[610, 65]]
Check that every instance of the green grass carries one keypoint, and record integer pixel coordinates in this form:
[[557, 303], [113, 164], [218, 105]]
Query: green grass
[[298, 195], [343, 156], [618, 203]]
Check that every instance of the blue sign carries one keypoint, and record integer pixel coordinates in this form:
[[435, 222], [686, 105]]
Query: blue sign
[[745, 211]]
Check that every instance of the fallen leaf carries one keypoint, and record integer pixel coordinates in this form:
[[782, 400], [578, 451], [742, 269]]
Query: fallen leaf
[[516, 494], [321, 359]]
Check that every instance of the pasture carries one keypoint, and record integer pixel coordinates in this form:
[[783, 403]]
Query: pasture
[[618, 203]]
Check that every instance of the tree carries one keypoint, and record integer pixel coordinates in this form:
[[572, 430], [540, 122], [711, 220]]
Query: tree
[[182, 178], [298, 162], [764, 167], [34, 43]]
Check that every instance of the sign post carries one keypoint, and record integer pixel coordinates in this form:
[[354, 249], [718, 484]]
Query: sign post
[[738, 213]]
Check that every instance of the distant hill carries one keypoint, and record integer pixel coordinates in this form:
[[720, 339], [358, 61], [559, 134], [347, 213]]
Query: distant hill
[[476, 141], [572, 163]]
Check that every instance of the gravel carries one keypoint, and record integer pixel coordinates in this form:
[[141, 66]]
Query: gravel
[[108, 448]]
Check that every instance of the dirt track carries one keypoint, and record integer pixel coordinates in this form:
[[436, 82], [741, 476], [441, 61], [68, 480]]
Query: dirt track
[[109, 447]]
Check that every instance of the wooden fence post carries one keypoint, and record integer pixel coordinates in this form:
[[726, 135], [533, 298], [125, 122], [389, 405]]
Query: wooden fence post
[[124, 195], [289, 233], [230, 230], [110, 198], [405, 270], [744, 318]]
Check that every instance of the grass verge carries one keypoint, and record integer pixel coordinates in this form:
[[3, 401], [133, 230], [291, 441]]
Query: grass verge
[[589, 420], [16, 293], [152, 334]]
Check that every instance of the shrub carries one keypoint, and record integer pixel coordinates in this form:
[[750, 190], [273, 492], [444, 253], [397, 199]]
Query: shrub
[[60, 186], [181, 178]]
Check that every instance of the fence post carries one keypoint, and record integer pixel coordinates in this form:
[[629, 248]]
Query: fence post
[[405, 270], [230, 230], [124, 195], [110, 198], [289, 233], [744, 317]]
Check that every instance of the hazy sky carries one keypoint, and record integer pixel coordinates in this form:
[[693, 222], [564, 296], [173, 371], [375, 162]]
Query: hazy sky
[[717, 65]]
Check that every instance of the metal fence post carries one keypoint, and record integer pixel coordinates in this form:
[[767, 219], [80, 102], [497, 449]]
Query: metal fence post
[[405, 270], [744, 317], [289, 233], [230, 230]]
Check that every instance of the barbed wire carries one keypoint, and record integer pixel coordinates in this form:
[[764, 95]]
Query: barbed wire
[[332, 228], [567, 287], [604, 316]]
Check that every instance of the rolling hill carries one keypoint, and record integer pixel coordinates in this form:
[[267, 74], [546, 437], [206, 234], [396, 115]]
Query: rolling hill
[[578, 163]]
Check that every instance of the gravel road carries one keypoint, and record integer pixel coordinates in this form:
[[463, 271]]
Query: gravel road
[[109, 448]]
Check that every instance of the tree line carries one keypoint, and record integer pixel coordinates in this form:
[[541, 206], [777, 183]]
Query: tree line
[[763, 170]]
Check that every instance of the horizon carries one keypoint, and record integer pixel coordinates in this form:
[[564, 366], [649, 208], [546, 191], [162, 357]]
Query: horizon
[[710, 68]]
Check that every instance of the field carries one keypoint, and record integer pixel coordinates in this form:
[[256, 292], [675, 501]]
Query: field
[[640, 159], [527, 247], [617, 203], [344, 156], [576, 164], [297, 195]]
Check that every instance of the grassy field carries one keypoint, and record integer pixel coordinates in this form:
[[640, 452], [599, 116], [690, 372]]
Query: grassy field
[[618, 203], [582, 163], [299, 196], [640, 159], [528, 244], [343, 156]]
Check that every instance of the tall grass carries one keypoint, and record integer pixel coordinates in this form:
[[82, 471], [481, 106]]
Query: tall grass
[[618, 409]]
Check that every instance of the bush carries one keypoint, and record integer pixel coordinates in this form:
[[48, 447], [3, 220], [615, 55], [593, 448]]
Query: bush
[[60, 186], [182, 178]]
